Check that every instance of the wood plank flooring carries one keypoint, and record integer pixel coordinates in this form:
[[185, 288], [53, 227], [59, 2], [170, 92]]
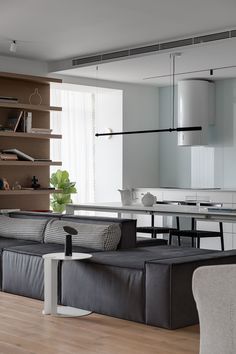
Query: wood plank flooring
[[24, 330]]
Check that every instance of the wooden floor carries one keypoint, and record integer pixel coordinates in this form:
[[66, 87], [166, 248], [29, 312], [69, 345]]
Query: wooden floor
[[24, 330]]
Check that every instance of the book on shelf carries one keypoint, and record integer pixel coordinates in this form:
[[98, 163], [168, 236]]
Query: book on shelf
[[22, 156], [8, 157], [40, 131]]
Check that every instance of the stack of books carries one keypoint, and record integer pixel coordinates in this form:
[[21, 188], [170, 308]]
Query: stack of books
[[23, 156], [40, 131]]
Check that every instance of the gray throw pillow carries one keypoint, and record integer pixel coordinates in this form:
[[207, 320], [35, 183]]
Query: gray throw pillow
[[103, 237], [25, 229]]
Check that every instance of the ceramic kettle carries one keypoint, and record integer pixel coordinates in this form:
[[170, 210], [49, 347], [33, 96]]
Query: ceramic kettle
[[126, 196], [148, 199]]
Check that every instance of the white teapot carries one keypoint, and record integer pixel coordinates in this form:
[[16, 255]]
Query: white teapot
[[126, 196], [148, 199]]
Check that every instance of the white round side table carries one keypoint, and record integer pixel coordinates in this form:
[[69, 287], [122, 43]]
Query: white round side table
[[50, 285]]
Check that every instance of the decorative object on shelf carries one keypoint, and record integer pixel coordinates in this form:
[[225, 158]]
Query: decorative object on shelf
[[16, 186], [35, 183], [35, 98], [126, 196], [68, 244], [13, 123], [60, 180], [4, 185], [148, 199], [28, 122]]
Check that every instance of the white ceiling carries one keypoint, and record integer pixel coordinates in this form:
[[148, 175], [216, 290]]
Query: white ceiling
[[52, 30], [146, 69]]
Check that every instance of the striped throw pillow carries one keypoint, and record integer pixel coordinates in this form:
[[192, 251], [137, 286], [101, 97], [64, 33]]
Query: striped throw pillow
[[25, 229], [103, 237]]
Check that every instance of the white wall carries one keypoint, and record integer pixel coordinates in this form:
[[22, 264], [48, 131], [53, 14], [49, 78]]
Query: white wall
[[140, 152], [23, 66]]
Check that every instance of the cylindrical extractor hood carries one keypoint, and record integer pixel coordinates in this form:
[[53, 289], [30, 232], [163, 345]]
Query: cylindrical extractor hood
[[195, 108]]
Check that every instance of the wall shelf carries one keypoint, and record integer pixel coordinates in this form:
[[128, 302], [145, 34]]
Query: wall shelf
[[9, 134], [30, 163], [28, 192], [30, 107]]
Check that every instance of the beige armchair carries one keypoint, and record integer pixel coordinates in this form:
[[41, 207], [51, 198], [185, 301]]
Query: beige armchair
[[214, 290]]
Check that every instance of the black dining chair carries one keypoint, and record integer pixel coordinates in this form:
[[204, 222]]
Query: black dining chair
[[156, 230], [196, 234]]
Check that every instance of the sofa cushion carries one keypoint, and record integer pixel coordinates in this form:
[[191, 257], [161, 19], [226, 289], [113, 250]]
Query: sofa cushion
[[24, 229], [127, 226], [137, 257], [104, 237]]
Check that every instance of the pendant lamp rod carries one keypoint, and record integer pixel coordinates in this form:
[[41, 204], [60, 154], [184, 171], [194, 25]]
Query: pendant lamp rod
[[172, 56], [168, 130]]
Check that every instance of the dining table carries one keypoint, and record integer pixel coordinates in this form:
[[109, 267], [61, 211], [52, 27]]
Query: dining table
[[193, 211]]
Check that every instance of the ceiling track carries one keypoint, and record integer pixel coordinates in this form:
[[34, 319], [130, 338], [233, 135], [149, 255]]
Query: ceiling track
[[158, 47], [209, 70]]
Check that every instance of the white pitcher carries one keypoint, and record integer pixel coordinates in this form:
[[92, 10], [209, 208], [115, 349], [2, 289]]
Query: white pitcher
[[126, 196]]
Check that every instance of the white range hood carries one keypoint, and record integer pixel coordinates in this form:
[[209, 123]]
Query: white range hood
[[196, 103]]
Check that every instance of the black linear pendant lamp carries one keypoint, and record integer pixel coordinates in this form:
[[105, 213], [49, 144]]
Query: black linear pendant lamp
[[171, 129]]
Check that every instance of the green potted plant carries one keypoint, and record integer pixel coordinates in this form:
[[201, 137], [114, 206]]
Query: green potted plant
[[60, 180]]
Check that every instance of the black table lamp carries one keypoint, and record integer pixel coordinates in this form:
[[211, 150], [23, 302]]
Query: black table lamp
[[68, 244]]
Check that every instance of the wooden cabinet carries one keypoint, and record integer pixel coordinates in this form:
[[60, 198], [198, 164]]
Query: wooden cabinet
[[33, 144]]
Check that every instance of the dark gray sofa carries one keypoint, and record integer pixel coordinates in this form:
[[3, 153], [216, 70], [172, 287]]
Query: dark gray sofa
[[22, 270], [150, 285]]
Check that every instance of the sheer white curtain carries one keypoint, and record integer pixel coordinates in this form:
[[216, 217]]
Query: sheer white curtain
[[76, 149]]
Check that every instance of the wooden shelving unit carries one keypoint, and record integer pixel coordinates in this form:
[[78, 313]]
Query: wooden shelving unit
[[33, 144]]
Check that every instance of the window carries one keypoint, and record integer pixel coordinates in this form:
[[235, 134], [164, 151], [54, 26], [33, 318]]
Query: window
[[95, 164]]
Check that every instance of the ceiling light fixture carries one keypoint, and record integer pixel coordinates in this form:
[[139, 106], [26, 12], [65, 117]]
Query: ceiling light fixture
[[13, 46], [169, 130]]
